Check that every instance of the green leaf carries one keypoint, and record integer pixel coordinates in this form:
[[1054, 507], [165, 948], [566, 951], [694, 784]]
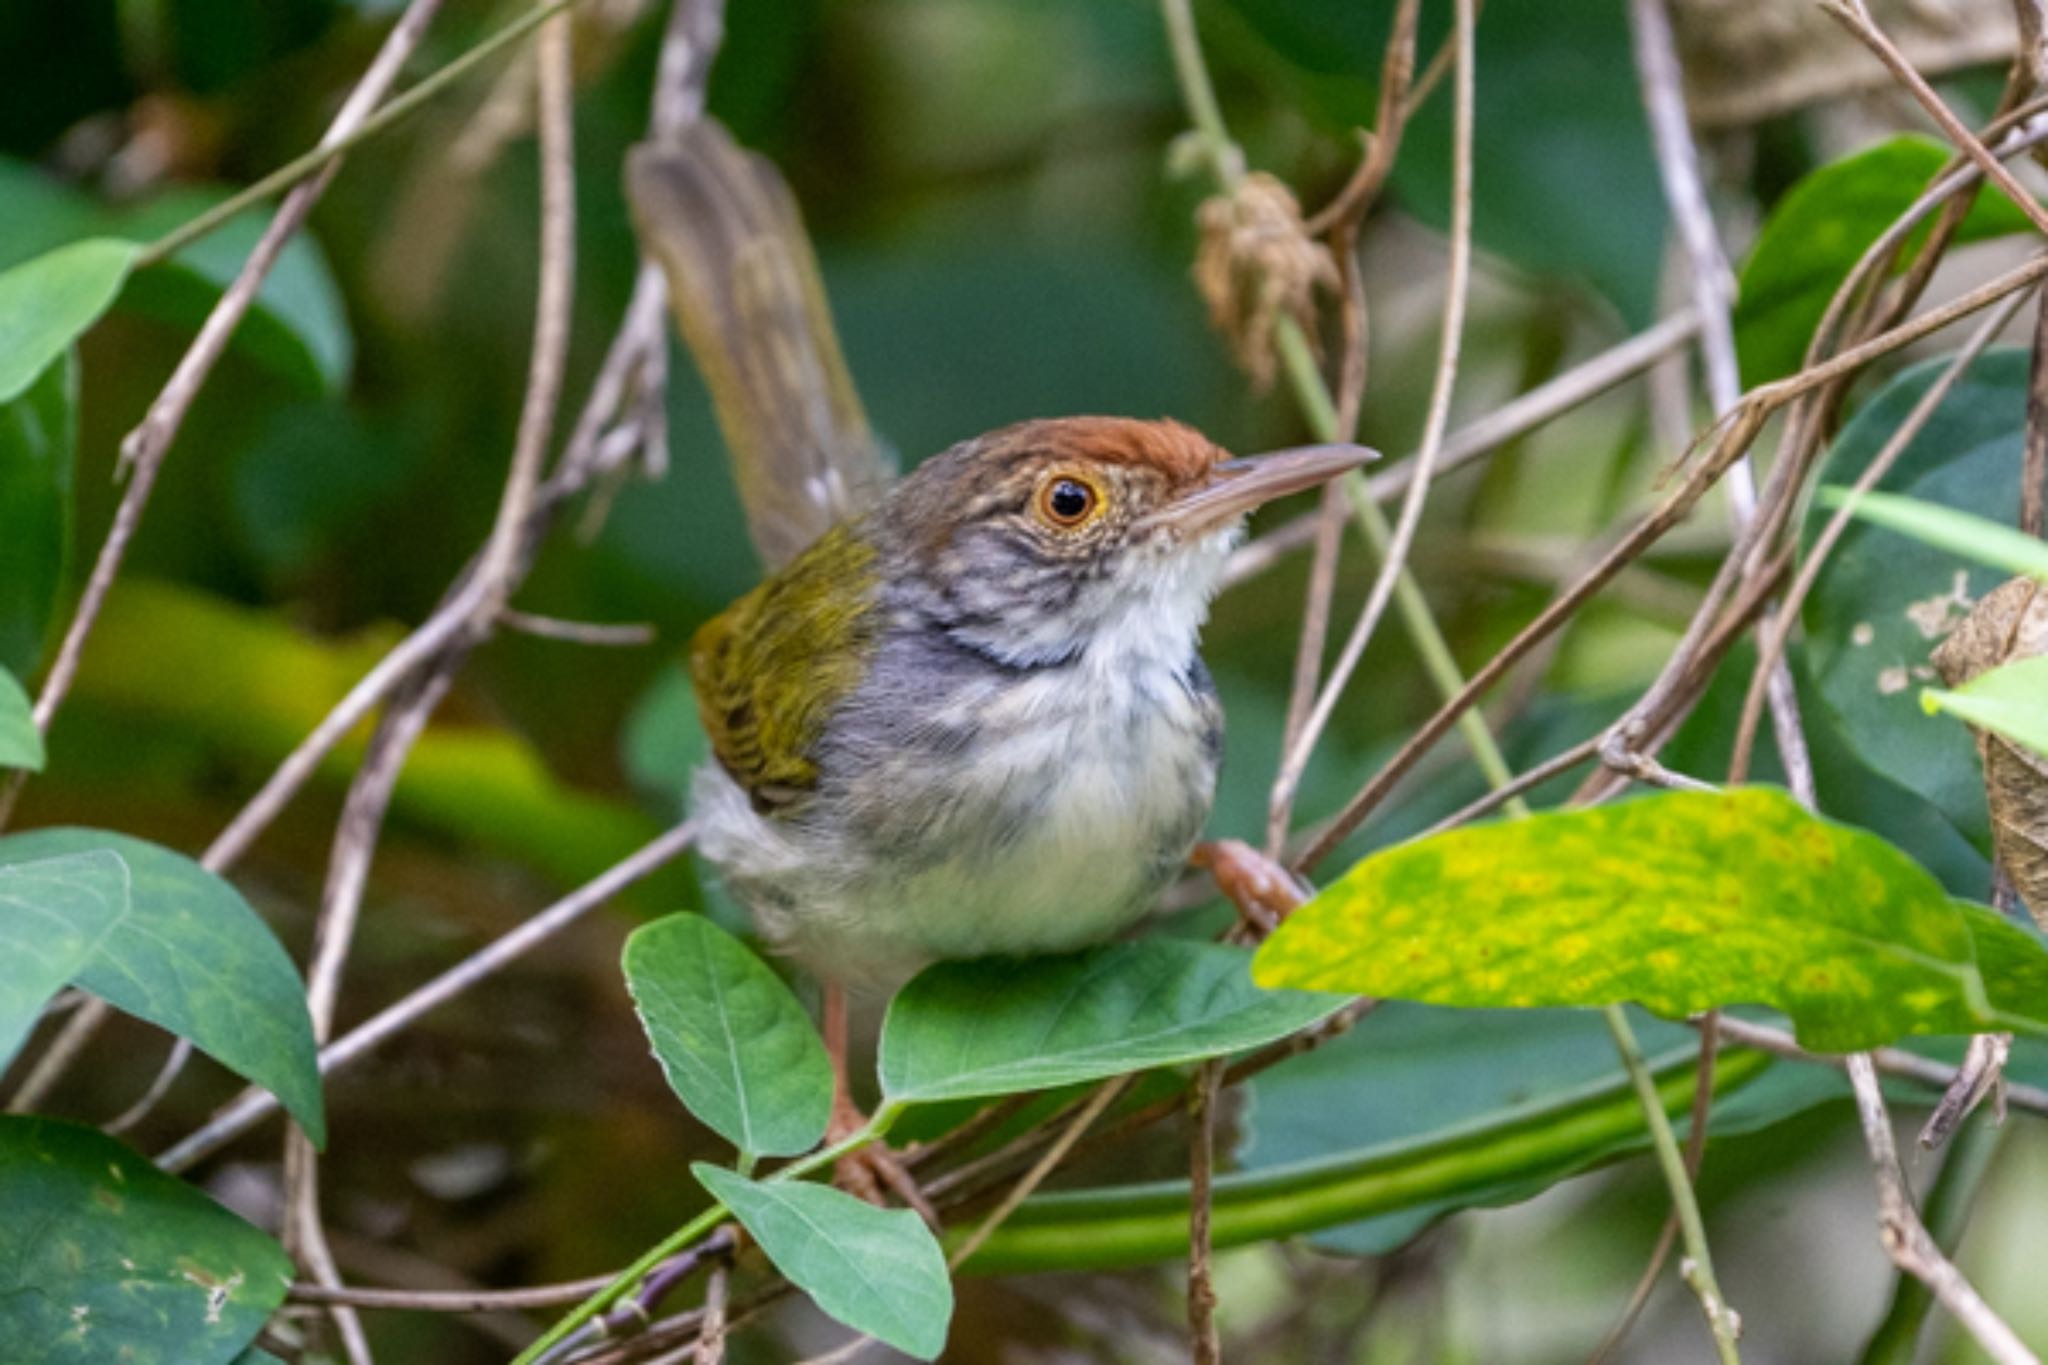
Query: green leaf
[[1944, 528], [1883, 601], [879, 1271], [38, 444], [1817, 232], [54, 915], [735, 1045], [1682, 901], [106, 1258], [997, 1026], [193, 958], [2011, 700], [21, 744], [46, 303], [297, 328]]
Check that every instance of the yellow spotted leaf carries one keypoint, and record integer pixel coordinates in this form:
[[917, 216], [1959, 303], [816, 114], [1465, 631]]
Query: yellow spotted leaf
[[1681, 902]]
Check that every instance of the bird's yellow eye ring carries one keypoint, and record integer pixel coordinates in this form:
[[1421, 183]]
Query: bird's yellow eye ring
[[1066, 501]]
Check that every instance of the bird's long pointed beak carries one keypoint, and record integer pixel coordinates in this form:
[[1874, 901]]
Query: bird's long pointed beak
[[1237, 486]]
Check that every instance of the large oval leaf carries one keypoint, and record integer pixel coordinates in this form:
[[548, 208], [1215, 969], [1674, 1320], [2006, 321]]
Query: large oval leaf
[[1884, 600], [54, 915], [193, 958], [997, 1026], [105, 1258], [1818, 231], [1682, 901], [735, 1044], [45, 303], [38, 443], [879, 1271]]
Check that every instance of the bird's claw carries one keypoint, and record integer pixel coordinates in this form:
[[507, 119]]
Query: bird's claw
[[1264, 892], [873, 1172]]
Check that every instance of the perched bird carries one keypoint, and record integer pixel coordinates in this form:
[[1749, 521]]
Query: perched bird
[[965, 714], [973, 719]]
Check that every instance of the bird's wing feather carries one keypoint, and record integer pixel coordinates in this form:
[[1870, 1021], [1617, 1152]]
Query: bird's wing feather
[[750, 305], [770, 668]]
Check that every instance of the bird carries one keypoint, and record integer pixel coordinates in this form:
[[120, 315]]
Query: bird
[[965, 713]]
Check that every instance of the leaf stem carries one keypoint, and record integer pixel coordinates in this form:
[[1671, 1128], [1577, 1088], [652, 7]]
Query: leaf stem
[[702, 1225], [310, 163], [1699, 1269]]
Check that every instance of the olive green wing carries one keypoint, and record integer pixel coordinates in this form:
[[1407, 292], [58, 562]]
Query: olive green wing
[[770, 669]]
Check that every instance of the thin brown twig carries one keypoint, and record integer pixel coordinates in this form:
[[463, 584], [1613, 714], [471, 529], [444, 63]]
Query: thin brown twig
[[1905, 1238], [1485, 435], [2034, 468], [1436, 423], [1208, 1343], [599, 634], [448, 1300], [252, 1106], [1104, 1095], [412, 705], [1713, 288], [1779, 627], [1855, 16]]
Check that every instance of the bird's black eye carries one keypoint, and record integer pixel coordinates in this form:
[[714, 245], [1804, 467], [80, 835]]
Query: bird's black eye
[[1066, 502]]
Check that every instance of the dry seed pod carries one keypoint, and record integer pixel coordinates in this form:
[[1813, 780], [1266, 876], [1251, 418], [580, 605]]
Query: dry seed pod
[[2010, 623], [1257, 262]]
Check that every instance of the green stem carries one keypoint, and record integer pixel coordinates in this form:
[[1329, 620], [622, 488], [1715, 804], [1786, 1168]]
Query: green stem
[[310, 163], [1700, 1271], [1128, 1226], [1312, 395], [699, 1227]]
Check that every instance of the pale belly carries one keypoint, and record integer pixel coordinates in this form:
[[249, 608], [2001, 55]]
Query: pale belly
[[1060, 832]]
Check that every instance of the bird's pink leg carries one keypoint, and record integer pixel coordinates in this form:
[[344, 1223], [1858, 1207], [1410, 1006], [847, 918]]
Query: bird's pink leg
[[865, 1172]]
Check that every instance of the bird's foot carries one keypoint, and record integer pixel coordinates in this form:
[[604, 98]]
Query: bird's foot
[[1264, 892], [867, 1172]]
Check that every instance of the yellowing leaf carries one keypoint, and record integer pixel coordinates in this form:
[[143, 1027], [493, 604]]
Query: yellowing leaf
[[1681, 901]]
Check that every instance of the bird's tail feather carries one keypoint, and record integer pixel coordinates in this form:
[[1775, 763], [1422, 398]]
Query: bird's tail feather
[[744, 285]]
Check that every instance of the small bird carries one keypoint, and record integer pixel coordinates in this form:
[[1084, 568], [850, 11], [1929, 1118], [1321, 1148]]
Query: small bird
[[964, 715], [973, 720]]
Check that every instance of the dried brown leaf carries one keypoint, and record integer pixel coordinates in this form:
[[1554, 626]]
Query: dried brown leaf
[[2011, 623]]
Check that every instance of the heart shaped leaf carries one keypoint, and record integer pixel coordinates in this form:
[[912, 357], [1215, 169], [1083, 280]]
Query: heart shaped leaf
[[192, 957], [997, 1026], [735, 1045], [1682, 901], [54, 915], [109, 1259], [879, 1271]]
